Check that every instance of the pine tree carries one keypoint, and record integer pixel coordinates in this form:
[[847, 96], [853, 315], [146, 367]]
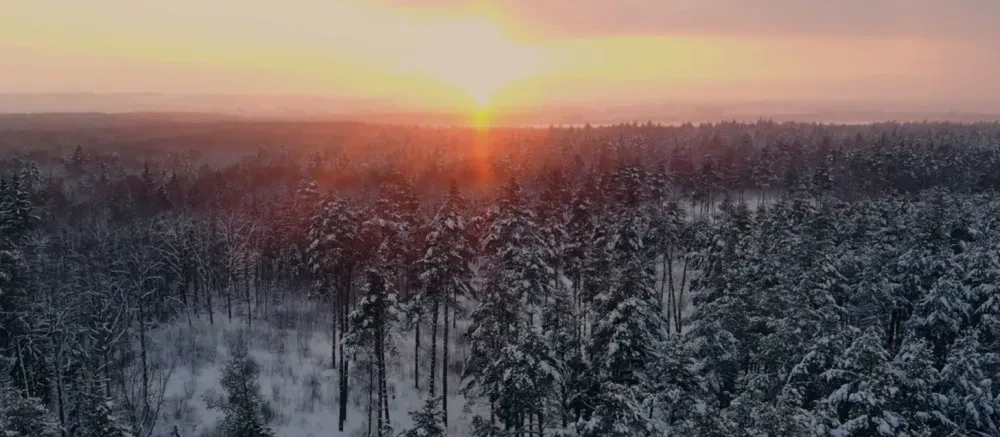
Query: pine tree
[[628, 336], [445, 272], [863, 403], [16, 211], [515, 244], [966, 393], [492, 329], [560, 332], [427, 422], [507, 324], [333, 257], [371, 330], [243, 403]]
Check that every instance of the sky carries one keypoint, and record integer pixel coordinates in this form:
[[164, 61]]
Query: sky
[[478, 53]]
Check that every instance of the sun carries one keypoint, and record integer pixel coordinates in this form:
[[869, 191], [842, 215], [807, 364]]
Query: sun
[[482, 117], [476, 58]]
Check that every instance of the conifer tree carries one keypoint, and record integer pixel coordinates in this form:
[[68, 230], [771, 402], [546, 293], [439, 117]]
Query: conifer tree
[[427, 422], [243, 402], [445, 273], [629, 336]]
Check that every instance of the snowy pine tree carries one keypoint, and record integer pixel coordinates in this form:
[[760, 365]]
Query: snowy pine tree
[[628, 337], [427, 422], [444, 270], [243, 402]]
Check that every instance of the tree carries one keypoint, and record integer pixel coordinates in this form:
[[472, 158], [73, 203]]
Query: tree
[[445, 274], [22, 416], [864, 400], [507, 326], [243, 402], [371, 331], [628, 337], [427, 422], [333, 257], [966, 393]]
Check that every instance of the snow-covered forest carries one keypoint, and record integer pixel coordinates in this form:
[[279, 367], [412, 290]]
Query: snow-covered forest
[[727, 279]]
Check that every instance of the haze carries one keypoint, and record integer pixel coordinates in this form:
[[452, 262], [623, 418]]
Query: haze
[[527, 53]]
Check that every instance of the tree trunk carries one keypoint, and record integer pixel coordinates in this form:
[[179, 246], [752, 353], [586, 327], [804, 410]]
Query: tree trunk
[[444, 369], [383, 383], [668, 264], [333, 335], [57, 376], [380, 376], [258, 269], [416, 353], [371, 394], [434, 327], [229, 298], [541, 424], [194, 295], [664, 303], [344, 298], [678, 306], [145, 366], [183, 288], [188, 309], [208, 299], [246, 292]]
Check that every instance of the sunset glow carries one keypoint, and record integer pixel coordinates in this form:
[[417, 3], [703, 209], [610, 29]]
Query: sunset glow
[[484, 56]]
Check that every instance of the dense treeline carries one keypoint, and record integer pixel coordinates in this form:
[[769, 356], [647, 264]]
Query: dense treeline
[[740, 279]]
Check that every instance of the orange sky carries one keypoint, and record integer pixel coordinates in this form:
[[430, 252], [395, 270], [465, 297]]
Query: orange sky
[[457, 54]]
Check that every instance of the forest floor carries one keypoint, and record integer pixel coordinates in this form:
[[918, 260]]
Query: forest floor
[[293, 345]]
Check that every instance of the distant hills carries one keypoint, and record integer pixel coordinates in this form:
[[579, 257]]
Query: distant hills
[[90, 108]]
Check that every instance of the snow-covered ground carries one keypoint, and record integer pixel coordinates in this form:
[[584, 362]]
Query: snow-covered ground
[[293, 348]]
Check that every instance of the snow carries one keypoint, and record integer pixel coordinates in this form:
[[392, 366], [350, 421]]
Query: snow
[[296, 378], [700, 407]]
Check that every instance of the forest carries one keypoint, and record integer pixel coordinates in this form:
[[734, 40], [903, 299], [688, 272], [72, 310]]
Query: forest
[[188, 278]]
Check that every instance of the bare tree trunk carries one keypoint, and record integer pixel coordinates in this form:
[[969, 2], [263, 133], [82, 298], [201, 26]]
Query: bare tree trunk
[[434, 327], [541, 424], [184, 288], [444, 369], [229, 297], [208, 299], [383, 383], [345, 299], [145, 366], [380, 376], [334, 312], [668, 265], [664, 303], [578, 299], [678, 306], [258, 269], [371, 395], [246, 292], [416, 353], [194, 295]]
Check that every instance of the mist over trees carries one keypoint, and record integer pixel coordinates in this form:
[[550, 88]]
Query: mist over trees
[[634, 280]]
